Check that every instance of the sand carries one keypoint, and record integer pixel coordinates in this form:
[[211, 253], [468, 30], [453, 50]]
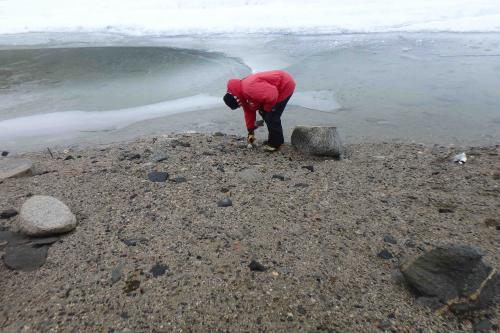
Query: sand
[[317, 233]]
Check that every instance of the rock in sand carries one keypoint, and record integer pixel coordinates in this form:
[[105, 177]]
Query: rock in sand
[[8, 213], [14, 167], [226, 202], [318, 140], [44, 215], [158, 177], [456, 276]]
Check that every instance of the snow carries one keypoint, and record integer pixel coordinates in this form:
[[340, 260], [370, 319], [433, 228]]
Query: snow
[[176, 17]]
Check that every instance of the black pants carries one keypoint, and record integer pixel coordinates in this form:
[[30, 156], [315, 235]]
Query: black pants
[[273, 122]]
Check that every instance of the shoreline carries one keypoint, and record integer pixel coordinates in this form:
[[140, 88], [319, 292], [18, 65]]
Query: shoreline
[[316, 224]]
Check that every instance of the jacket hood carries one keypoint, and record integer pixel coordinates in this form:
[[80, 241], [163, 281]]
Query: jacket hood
[[234, 87]]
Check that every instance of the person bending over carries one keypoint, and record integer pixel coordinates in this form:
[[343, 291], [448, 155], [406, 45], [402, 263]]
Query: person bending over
[[265, 92]]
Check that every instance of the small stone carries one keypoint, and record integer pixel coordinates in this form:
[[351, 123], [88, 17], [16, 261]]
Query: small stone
[[385, 324], [25, 257], [8, 213], [158, 157], [134, 241], [226, 202], [385, 254], [175, 143], [280, 177], [483, 326], [446, 210], [5, 153], [492, 222], [44, 215], [179, 180], [220, 168], [129, 156], [158, 270], [116, 273], [389, 239], [219, 134], [301, 310], [69, 157], [15, 167], [256, 266], [131, 285], [308, 167], [303, 185], [158, 176]]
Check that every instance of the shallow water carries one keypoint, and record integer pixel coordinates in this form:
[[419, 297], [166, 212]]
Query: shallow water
[[431, 88]]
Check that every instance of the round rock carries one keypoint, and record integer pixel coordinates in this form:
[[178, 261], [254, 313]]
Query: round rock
[[44, 215], [14, 167]]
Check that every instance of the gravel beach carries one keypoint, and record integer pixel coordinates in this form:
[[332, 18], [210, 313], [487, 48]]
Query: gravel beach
[[298, 247]]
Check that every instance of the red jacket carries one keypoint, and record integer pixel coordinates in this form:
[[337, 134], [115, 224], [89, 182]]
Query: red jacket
[[261, 91]]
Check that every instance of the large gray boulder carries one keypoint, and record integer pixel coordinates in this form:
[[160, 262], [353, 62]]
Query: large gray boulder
[[318, 140], [44, 215], [14, 167], [455, 277]]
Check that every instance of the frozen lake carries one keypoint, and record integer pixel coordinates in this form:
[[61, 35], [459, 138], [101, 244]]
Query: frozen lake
[[59, 89]]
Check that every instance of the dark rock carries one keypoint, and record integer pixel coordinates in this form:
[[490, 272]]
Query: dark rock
[[385, 254], [219, 134], [158, 176], [492, 222], [498, 227], [220, 168], [446, 210], [456, 276], [131, 285], [129, 156], [44, 241], [7, 214], [226, 202], [69, 157], [483, 326], [432, 303], [175, 143], [124, 315], [25, 257], [301, 185], [134, 241], [158, 270], [5, 153], [179, 180], [389, 239], [301, 310], [317, 140], [309, 167], [280, 177], [256, 266], [208, 153]]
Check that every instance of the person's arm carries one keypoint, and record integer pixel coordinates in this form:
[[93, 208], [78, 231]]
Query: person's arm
[[264, 95], [250, 116]]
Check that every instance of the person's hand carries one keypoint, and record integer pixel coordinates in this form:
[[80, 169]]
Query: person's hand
[[251, 138]]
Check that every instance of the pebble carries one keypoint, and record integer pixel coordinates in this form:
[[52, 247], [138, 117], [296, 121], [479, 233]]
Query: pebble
[[226, 202], [280, 177], [129, 156], [158, 176], [303, 185], [14, 167], [43, 215], [158, 270], [5, 153], [134, 241], [179, 180], [385, 254], [301, 310], [219, 134], [175, 143], [483, 326], [8, 213], [69, 157], [308, 167], [389, 239], [256, 266]]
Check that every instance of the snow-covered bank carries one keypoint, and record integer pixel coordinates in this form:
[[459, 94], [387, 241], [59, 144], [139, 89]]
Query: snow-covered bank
[[175, 17]]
